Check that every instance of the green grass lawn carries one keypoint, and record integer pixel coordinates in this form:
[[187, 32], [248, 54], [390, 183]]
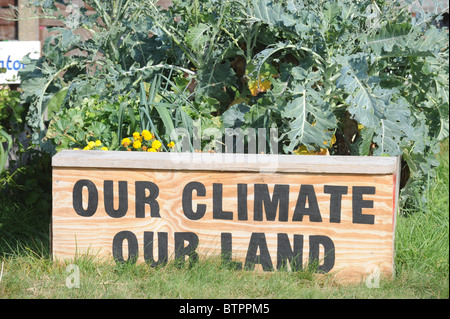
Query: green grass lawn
[[422, 264]]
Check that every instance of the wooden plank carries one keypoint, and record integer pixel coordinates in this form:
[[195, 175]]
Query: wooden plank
[[28, 25], [227, 162], [260, 216]]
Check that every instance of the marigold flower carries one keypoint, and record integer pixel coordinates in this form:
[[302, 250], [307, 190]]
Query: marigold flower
[[151, 149], [91, 144], [137, 144], [86, 148], [171, 144], [76, 149], [104, 148], [136, 135], [126, 141], [147, 135], [156, 144], [98, 143]]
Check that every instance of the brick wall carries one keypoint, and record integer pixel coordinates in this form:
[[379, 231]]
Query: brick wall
[[8, 28]]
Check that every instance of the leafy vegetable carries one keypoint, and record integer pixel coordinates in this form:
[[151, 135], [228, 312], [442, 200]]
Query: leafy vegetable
[[333, 77]]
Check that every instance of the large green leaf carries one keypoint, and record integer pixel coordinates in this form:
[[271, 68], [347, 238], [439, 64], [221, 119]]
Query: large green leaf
[[197, 37], [213, 80], [55, 103], [309, 120], [165, 114], [260, 58], [234, 116], [266, 11], [395, 129], [389, 36], [366, 106], [365, 145]]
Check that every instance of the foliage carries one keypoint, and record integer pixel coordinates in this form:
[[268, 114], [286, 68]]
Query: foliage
[[11, 111], [4, 150], [91, 120], [345, 77], [29, 183], [422, 234], [11, 121], [28, 177]]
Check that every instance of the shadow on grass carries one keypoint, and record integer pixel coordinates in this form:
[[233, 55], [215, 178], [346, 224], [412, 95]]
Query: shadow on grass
[[24, 227], [25, 204]]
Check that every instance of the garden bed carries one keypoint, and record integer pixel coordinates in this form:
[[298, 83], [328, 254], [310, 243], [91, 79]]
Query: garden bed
[[258, 212]]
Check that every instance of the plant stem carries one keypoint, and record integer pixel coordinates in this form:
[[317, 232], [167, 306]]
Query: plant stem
[[159, 66]]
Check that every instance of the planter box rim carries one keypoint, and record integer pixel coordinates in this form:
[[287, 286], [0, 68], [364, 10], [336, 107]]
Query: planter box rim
[[270, 163]]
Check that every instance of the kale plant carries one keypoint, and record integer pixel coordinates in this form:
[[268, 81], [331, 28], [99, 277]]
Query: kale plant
[[338, 77]]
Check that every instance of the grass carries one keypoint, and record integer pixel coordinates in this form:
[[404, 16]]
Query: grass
[[422, 264]]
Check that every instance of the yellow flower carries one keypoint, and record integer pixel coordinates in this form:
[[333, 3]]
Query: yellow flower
[[262, 85], [91, 144], [171, 144], [137, 144], [156, 144], [151, 150], [98, 143], [136, 135], [147, 135], [104, 148], [87, 148], [76, 149], [126, 141]]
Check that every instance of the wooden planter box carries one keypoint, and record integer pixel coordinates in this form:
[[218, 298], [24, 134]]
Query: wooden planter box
[[266, 212]]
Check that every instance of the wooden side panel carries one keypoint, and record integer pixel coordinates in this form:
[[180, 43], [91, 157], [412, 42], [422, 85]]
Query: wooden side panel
[[358, 248]]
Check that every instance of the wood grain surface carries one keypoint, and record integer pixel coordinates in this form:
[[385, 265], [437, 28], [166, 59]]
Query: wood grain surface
[[359, 248], [269, 163]]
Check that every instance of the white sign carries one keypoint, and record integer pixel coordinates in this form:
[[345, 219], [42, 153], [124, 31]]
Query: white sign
[[11, 56]]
